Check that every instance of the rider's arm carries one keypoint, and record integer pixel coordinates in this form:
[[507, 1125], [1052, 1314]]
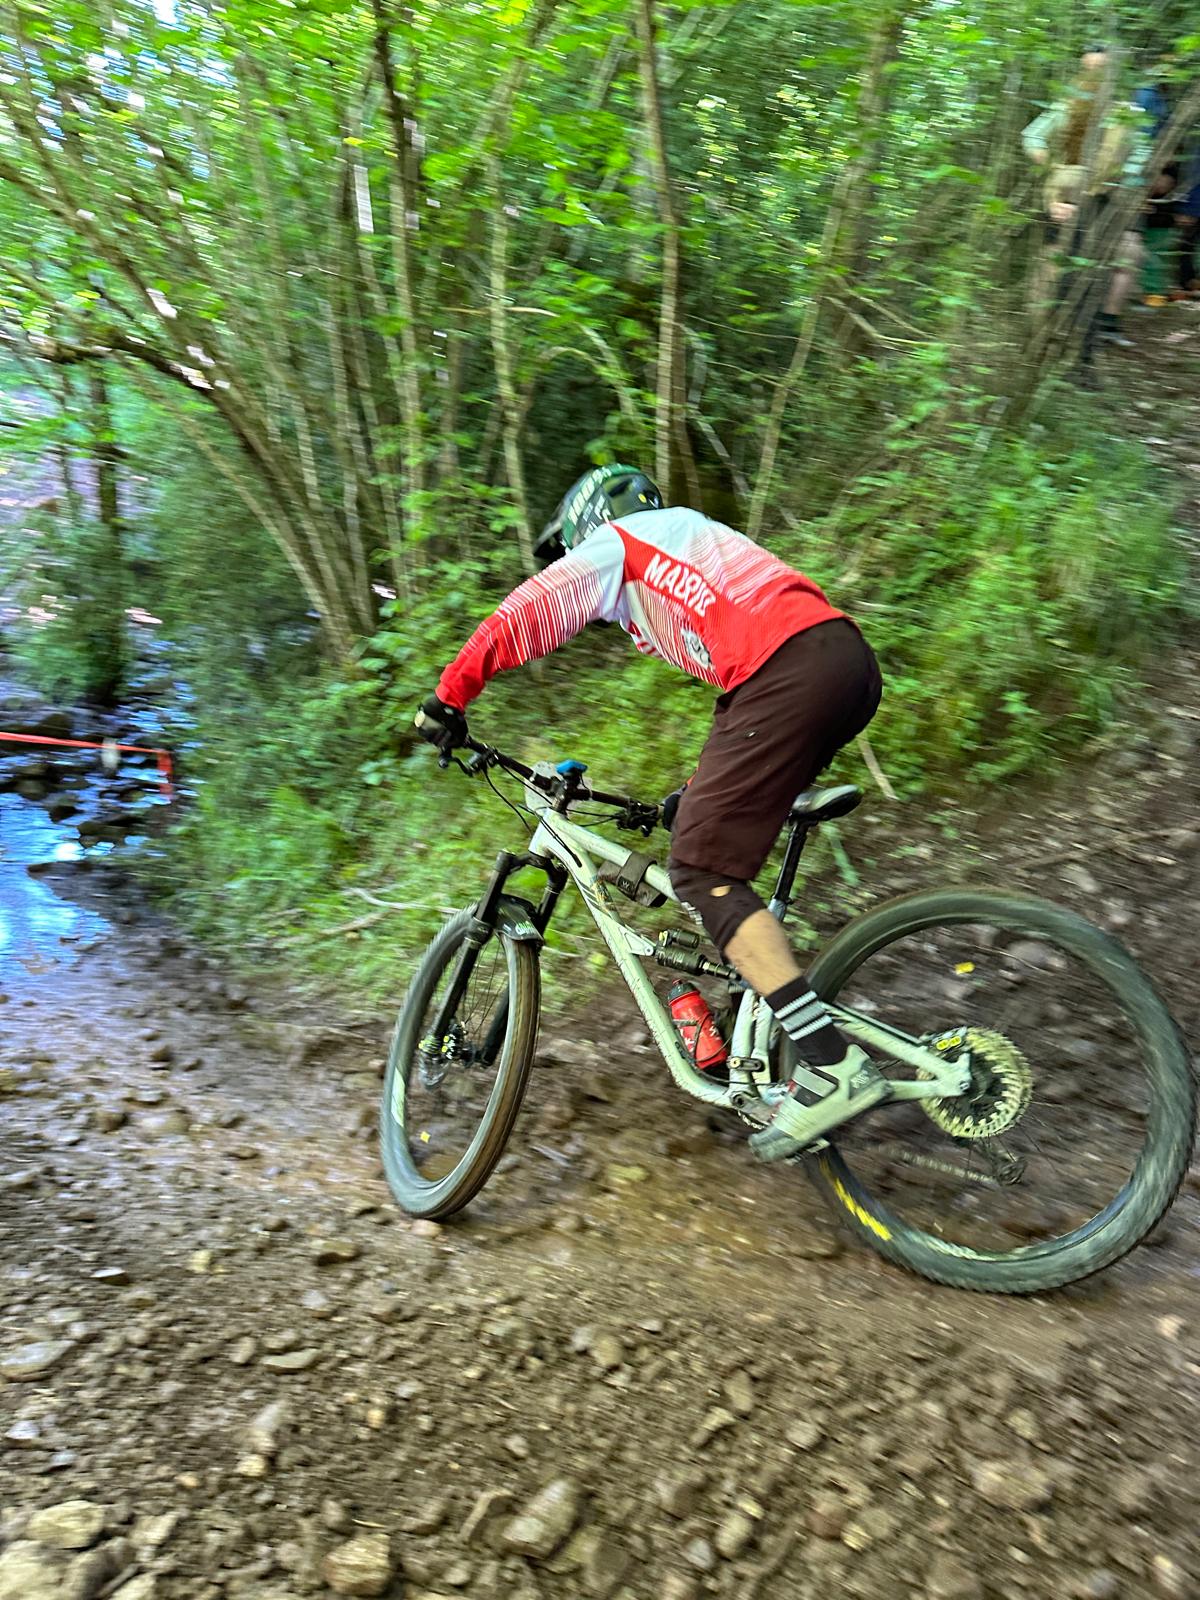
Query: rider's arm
[[1035, 139], [543, 613]]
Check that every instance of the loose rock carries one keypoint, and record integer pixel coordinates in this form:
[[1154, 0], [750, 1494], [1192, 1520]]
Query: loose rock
[[361, 1566], [27, 1573], [491, 1504], [1013, 1485], [331, 1252], [73, 1525], [264, 1433], [291, 1360], [827, 1516], [679, 1497], [739, 1391], [699, 1553], [28, 1361], [113, 1277], [607, 1352], [547, 1519], [804, 1434], [604, 1563], [680, 1586], [143, 1587], [949, 1579], [734, 1535], [427, 1517]]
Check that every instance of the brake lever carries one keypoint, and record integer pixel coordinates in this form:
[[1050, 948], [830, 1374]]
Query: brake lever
[[639, 819], [445, 759]]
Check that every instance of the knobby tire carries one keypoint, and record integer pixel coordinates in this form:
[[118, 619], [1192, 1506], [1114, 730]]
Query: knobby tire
[[1171, 1123], [443, 1197]]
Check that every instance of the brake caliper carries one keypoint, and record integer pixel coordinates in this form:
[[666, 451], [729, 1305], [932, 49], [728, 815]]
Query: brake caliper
[[435, 1056]]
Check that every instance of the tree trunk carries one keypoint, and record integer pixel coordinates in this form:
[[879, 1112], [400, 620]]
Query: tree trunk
[[674, 460], [851, 249], [510, 407], [843, 243], [103, 590], [66, 467], [402, 214]]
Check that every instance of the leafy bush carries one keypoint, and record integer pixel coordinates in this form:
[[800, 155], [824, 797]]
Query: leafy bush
[[1010, 602]]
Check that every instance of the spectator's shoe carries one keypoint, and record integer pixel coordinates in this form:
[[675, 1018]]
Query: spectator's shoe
[[1115, 337], [818, 1100], [1155, 300]]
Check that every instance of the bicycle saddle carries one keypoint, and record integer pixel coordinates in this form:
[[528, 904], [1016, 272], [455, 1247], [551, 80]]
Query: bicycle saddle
[[822, 805]]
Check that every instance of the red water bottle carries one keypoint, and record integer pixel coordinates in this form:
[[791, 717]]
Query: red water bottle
[[689, 1010]]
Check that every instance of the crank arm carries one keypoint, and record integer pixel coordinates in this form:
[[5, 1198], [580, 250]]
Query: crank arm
[[944, 1078]]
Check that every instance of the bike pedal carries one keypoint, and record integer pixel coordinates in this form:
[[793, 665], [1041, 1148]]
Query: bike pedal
[[809, 1150]]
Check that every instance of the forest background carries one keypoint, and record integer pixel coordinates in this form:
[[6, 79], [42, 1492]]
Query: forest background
[[311, 309]]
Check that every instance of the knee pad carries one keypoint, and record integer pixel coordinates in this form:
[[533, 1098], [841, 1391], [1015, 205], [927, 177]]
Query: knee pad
[[722, 903]]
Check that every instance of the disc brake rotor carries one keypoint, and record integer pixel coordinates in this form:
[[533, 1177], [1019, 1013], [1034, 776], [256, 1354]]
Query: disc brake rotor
[[999, 1095]]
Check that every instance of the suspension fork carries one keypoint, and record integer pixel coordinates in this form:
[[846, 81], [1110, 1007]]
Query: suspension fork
[[482, 926], [482, 929], [557, 879]]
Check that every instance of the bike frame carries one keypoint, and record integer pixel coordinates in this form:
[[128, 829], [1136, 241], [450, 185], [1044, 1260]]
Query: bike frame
[[578, 850]]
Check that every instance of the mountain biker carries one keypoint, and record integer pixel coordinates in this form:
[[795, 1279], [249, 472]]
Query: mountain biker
[[797, 682]]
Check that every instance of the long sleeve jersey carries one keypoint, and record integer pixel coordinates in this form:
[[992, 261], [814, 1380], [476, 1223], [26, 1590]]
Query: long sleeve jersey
[[684, 588]]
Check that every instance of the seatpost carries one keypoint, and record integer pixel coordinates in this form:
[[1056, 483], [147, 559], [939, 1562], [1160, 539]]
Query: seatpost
[[797, 839]]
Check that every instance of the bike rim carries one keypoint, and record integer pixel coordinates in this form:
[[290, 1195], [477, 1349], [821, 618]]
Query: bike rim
[[443, 1091], [1044, 1004]]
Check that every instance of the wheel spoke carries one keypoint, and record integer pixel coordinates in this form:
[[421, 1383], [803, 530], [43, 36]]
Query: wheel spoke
[[1052, 1128]]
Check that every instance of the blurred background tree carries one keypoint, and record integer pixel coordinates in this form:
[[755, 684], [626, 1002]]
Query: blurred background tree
[[319, 307]]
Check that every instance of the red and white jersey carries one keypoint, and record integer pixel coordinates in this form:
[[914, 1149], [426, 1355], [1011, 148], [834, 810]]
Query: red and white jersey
[[685, 588]]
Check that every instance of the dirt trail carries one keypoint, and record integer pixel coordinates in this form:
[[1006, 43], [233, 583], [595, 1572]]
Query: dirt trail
[[638, 1367]]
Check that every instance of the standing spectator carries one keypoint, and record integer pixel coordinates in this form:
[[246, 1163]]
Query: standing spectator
[[1187, 222], [1160, 236], [1155, 100], [1085, 165]]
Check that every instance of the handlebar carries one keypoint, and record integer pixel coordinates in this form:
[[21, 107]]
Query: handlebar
[[638, 815]]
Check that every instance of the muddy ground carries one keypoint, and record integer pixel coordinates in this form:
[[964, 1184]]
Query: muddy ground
[[638, 1367]]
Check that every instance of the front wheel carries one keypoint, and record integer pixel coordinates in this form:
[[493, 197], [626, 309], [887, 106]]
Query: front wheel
[[449, 1103], [1077, 1128]]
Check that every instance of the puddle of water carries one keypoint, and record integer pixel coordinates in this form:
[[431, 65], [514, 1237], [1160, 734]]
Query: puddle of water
[[37, 928]]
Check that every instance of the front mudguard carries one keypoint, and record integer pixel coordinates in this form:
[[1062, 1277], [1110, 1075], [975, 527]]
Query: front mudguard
[[517, 919]]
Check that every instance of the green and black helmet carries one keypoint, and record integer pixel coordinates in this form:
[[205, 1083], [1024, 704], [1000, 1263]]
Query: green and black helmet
[[599, 496]]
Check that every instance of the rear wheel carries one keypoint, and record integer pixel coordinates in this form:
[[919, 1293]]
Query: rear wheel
[[1077, 1128], [449, 1103]]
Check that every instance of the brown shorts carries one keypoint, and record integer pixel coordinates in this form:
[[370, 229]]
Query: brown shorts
[[771, 736]]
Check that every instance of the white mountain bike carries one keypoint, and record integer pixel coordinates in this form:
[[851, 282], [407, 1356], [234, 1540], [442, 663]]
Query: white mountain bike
[[1042, 1109]]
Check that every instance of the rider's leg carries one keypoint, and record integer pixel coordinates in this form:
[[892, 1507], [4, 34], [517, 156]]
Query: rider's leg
[[831, 1078], [771, 737], [749, 937]]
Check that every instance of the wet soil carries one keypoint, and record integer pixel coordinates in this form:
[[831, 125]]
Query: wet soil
[[638, 1366]]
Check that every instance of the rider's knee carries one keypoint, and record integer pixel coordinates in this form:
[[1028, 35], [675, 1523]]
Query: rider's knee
[[722, 903]]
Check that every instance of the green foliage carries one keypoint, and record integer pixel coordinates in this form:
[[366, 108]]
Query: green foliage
[[304, 289], [68, 637], [1012, 604]]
